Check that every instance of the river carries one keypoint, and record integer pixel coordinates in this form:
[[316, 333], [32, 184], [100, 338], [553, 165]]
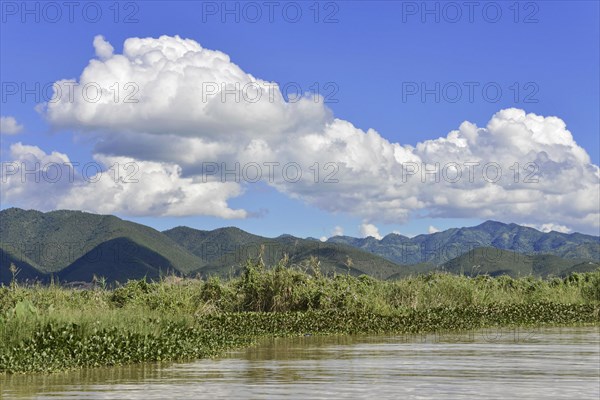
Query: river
[[496, 363]]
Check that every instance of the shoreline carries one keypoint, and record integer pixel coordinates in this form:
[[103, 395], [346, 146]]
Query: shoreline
[[53, 328], [58, 348]]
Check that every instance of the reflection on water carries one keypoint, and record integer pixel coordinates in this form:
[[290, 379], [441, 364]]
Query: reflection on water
[[542, 363]]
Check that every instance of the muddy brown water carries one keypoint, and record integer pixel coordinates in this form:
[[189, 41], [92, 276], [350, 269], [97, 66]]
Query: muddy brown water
[[496, 363]]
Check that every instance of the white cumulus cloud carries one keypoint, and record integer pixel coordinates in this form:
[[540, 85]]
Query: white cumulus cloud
[[367, 230], [104, 50], [111, 185], [9, 126], [550, 227], [432, 229], [182, 105]]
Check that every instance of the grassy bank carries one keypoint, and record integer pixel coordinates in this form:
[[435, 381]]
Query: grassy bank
[[52, 328]]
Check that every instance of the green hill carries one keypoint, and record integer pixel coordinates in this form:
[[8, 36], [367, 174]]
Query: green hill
[[224, 251], [118, 259], [26, 272], [210, 246], [53, 241], [413, 270], [587, 266], [494, 262]]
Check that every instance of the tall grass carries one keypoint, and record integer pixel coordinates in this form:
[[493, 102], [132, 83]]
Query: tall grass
[[47, 328]]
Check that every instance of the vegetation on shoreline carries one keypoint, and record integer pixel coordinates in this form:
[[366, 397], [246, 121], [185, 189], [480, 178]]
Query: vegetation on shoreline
[[52, 328]]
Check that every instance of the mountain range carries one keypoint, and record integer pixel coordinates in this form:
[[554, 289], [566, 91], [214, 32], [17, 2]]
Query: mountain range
[[75, 246], [438, 248]]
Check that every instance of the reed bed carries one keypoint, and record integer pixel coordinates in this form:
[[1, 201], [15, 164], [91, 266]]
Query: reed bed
[[53, 328]]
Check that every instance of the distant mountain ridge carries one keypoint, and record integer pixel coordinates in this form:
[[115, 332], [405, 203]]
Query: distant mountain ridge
[[440, 247], [77, 246]]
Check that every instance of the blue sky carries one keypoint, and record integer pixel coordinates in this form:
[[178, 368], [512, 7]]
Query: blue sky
[[363, 57]]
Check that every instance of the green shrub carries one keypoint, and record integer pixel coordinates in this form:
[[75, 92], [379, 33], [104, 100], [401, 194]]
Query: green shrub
[[591, 290]]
